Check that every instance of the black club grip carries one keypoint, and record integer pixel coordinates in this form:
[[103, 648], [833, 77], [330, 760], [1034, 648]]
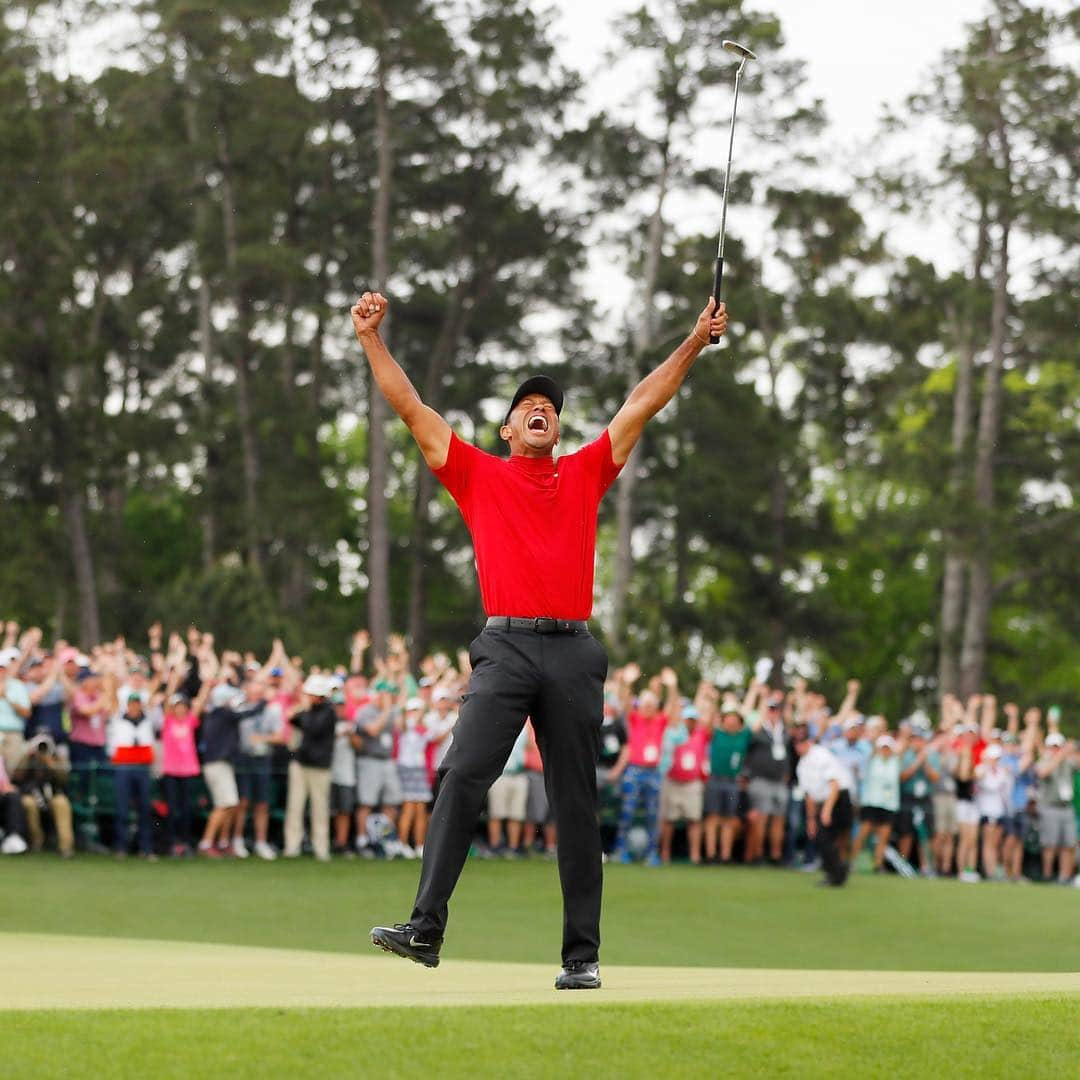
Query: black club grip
[[718, 280]]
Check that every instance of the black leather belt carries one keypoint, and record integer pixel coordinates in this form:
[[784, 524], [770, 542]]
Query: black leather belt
[[538, 626]]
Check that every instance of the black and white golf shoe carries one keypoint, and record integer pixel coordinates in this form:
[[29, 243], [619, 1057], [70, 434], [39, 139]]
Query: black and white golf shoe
[[403, 939], [578, 975]]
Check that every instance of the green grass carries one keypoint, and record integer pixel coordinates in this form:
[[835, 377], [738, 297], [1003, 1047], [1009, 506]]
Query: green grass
[[681, 915], [954, 1038]]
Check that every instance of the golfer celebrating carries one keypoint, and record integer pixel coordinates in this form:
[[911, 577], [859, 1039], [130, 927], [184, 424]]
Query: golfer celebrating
[[533, 524]]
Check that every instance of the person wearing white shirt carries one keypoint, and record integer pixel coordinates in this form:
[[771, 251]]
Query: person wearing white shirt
[[827, 784]]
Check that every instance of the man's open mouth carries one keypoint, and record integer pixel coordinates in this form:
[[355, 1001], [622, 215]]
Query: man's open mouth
[[538, 423]]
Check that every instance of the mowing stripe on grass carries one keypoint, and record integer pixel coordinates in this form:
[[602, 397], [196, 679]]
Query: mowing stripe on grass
[[45, 971]]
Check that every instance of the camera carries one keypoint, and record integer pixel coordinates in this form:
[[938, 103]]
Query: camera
[[43, 744]]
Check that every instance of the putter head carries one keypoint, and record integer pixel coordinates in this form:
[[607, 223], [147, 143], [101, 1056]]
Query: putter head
[[741, 51]]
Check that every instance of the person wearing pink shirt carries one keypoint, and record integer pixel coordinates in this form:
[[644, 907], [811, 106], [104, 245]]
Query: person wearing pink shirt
[[638, 767], [683, 766], [179, 769]]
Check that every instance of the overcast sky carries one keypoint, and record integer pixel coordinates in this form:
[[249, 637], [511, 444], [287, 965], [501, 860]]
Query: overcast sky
[[860, 54]]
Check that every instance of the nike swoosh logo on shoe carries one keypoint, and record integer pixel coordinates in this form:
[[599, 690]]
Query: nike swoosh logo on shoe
[[415, 944]]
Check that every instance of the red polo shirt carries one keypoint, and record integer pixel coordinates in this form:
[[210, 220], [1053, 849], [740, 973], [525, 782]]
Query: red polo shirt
[[533, 525]]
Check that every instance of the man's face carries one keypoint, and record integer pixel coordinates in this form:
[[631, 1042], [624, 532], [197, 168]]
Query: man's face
[[134, 709], [533, 427], [648, 704]]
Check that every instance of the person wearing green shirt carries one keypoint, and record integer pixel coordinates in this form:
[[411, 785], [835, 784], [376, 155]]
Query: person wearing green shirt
[[727, 750]]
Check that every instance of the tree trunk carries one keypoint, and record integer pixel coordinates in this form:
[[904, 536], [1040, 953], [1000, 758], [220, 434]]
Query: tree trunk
[[204, 331], [956, 556], [976, 624], [627, 483], [73, 503], [378, 564], [244, 417]]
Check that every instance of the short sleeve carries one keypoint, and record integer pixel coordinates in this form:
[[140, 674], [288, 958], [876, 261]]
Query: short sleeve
[[457, 475], [598, 460]]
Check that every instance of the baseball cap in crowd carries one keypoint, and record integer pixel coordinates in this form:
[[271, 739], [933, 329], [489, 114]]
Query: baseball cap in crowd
[[1055, 738], [224, 696], [414, 703], [689, 712], [8, 657], [134, 696], [992, 752], [277, 672], [1009, 739], [442, 694], [68, 655], [853, 722], [318, 686], [537, 384], [885, 741], [730, 708], [178, 699]]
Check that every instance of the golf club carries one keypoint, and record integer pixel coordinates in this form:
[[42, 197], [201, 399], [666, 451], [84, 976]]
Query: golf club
[[744, 54]]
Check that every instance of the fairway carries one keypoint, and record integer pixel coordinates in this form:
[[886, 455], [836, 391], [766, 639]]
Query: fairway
[[264, 970]]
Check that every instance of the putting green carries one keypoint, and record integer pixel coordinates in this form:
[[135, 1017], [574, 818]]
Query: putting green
[[47, 971]]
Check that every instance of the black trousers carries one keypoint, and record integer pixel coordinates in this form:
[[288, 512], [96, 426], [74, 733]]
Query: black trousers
[[832, 861], [558, 681]]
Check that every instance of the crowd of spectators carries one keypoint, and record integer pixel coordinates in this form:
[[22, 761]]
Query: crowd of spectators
[[268, 757]]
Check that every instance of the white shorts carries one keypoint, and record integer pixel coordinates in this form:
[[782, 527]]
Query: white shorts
[[377, 783], [508, 798], [220, 778], [967, 813]]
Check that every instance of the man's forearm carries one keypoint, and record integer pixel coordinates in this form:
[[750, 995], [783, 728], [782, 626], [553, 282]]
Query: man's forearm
[[392, 381], [660, 385]]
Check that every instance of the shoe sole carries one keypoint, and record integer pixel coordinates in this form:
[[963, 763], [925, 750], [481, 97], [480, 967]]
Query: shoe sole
[[391, 946], [579, 986]]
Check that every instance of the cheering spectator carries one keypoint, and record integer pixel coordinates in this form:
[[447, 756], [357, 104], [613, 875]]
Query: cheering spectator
[[131, 751], [42, 777], [880, 800], [768, 771], [14, 709], [1019, 759], [537, 812], [227, 707], [639, 760], [89, 707], [723, 790], [920, 770], [309, 770], [683, 755], [827, 786], [411, 764], [46, 685], [439, 721], [507, 801], [377, 782], [993, 798], [342, 777], [967, 814], [1057, 821], [179, 767], [260, 731]]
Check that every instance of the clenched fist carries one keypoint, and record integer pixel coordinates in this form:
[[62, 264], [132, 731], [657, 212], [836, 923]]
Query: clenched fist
[[711, 322], [368, 312]]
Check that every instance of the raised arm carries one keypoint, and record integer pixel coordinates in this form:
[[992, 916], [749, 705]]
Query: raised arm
[[659, 386], [429, 429]]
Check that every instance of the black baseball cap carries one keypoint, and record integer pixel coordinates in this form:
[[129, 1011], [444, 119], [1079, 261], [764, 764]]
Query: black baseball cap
[[537, 384]]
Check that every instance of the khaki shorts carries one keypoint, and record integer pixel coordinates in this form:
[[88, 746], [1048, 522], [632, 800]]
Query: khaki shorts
[[945, 823], [508, 798], [682, 801], [221, 780]]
